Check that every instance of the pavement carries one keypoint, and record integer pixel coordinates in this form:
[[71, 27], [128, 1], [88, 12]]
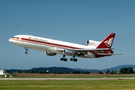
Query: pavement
[[64, 78]]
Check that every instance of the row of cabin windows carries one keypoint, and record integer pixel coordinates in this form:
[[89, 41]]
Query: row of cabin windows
[[30, 38]]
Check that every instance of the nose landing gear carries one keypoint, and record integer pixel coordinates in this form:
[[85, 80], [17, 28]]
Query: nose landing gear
[[26, 52]]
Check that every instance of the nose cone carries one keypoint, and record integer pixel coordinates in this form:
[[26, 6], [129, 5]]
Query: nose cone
[[12, 41]]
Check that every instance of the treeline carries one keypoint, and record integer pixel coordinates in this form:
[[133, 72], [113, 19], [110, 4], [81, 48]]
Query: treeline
[[125, 70], [128, 70], [45, 72], [63, 70], [57, 70]]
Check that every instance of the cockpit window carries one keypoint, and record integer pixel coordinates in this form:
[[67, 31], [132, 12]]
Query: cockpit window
[[16, 37]]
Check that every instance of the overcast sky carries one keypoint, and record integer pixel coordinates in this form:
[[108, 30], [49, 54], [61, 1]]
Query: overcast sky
[[68, 20]]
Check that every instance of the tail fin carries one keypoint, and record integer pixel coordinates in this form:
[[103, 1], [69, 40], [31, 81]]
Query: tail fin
[[107, 42]]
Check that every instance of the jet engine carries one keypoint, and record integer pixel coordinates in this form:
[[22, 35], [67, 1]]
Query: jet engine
[[93, 43], [50, 53], [69, 52]]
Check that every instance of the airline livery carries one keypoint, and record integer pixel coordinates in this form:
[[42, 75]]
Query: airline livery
[[94, 49]]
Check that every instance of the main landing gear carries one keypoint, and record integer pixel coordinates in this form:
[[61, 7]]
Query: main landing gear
[[71, 59], [63, 59], [26, 52]]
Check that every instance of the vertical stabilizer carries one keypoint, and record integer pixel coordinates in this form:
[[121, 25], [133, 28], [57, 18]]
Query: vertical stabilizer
[[107, 42]]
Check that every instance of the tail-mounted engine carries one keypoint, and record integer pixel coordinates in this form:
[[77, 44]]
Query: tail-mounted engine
[[93, 43]]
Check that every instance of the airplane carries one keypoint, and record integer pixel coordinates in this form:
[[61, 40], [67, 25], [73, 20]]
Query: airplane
[[93, 49]]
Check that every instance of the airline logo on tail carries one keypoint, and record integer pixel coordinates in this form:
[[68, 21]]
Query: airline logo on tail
[[107, 42]]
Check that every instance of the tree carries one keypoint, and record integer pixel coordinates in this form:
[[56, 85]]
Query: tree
[[112, 72], [108, 71], [87, 72], [32, 71], [19, 71], [131, 70], [116, 72], [100, 72], [128, 70], [77, 72]]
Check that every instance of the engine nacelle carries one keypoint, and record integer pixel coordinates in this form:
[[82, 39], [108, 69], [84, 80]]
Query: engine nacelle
[[50, 53], [93, 43], [69, 52]]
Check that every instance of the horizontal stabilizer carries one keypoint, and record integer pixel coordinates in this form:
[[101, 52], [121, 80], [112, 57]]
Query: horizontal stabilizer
[[117, 54], [108, 54], [105, 54]]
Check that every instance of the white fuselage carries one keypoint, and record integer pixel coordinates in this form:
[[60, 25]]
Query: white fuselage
[[49, 45]]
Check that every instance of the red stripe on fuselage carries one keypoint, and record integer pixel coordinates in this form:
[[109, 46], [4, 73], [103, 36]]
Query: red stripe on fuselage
[[49, 43]]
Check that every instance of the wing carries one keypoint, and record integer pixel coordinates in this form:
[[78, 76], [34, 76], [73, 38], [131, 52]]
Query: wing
[[97, 52], [84, 50], [80, 52]]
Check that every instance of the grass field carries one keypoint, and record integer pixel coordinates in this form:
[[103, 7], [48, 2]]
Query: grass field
[[69, 85], [36, 75]]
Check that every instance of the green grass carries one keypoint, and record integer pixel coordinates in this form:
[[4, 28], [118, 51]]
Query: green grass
[[82, 77], [69, 85], [35, 75], [79, 77]]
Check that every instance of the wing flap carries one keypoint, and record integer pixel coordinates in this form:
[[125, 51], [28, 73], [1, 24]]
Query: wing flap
[[99, 49]]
